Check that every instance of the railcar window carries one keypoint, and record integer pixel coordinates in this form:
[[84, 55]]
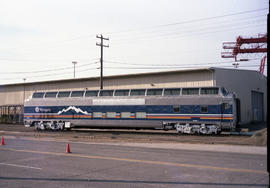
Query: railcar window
[[106, 93], [209, 91], [77, 93], [169, 92], [224, 91], [93, 93], [125, 114], [50, 94], [121, 92], [225, 106], [204, 109], [176, 108], [151, 92], [63, 94], [97, 114], [140, 115], [137, 92], [190, 91], [111, 114], [38, 95]]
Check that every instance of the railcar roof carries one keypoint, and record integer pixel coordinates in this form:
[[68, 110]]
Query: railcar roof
[[131, 75], [186, 91]]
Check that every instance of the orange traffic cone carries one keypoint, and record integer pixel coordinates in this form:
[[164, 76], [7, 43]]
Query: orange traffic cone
[[68, 149], [3, 141]]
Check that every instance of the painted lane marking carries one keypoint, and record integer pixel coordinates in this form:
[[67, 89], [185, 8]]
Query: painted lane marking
[[143, 161], [21, 166]]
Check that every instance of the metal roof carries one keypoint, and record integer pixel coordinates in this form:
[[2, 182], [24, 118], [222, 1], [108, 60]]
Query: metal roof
[[126, 75]]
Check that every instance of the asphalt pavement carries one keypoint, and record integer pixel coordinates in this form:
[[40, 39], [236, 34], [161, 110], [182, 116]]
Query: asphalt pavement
[[40, 163]]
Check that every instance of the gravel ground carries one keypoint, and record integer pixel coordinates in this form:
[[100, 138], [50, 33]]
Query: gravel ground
[[134, 136]]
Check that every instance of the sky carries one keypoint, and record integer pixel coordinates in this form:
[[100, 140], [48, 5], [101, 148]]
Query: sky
[[39, 39]]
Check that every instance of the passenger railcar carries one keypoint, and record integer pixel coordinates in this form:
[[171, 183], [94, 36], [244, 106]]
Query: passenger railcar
[[204, 110]]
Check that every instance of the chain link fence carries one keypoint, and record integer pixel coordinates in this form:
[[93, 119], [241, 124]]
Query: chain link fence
[[11, 114]]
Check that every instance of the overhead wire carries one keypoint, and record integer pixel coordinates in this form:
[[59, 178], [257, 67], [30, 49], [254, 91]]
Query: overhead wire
[[178, 67], [191, 21], [150, 27], [49, 70], [195, 32], [198, 27], [135, 66], [155, 65], [47, 75]]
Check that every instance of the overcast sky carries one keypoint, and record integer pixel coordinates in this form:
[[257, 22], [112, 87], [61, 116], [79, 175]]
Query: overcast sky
[[39, 39]]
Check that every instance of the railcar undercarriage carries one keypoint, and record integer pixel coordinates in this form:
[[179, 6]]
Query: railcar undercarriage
[[183, 128], [198, 129], [187, 128]]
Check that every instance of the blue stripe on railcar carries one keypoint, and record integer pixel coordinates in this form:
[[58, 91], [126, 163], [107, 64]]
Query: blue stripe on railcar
[[153, 112], [184, 109]]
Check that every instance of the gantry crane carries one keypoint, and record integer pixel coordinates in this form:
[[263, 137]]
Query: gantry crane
[[244, 46]]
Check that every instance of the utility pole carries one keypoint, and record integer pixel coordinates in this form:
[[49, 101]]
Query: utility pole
[[101, 57], [74, 63], [24, 79]]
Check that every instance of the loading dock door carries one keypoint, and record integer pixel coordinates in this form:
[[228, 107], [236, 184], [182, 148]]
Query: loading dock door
[[257, 106]]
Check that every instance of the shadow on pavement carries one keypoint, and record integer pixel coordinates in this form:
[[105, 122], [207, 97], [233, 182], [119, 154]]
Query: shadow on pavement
[[133, 181]]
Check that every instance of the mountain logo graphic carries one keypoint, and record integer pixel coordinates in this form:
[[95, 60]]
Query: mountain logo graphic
[[37, 109], [77, 110]]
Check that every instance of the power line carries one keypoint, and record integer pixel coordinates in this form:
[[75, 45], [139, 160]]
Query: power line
[[176, 67], [162, 65], [35, 60], [195, 32], [191, 21], [214, 17], [217, 24], [48, 70], [47, 75], [181, 67], [151, 27], [144, 68]]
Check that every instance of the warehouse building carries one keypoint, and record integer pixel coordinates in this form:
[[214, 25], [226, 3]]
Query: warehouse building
[[249, 86]]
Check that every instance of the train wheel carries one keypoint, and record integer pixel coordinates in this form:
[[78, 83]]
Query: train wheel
[[203, 130]]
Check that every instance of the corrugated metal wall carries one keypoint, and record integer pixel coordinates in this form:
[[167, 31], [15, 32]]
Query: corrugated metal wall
[[243, 82], [14, 94]]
